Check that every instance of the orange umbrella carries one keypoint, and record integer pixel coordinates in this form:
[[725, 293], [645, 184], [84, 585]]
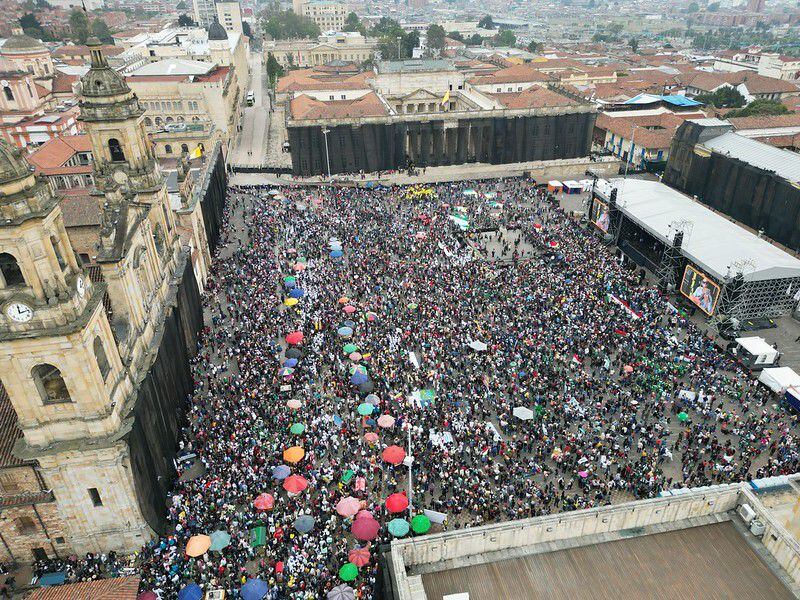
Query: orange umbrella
[[344, 300], [198, 545], [394, 455], [294, 454], [359, 556]]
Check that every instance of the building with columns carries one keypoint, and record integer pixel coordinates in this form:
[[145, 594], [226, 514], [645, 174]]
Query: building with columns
[[95, 358]]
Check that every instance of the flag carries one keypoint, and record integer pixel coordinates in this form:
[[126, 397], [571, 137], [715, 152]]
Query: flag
[[197, 152], [631, 313], [258, 536], [423, 398], [446, 97]]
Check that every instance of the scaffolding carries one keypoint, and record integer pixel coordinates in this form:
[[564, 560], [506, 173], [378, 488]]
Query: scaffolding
[[672, 258]]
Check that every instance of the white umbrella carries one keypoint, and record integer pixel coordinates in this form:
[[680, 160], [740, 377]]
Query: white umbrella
[[478, 346], [526, 414]]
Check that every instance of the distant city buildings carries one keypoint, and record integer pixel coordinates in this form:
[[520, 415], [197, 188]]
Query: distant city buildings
[[328, 47]]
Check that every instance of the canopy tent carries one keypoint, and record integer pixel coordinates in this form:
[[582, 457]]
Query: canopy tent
[[779, 379], [755, 351], [573, 187]]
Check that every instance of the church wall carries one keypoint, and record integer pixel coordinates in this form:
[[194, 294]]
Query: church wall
[[213, 196], [26, 527]]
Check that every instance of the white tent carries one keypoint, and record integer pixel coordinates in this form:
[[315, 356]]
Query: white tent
[[478, 346], [761, 353], [779, 379], [526, 414]]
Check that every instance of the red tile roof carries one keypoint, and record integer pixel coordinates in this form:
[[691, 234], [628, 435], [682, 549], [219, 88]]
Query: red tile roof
[[534, 97], [660, 136], [305, 107], [56, 152], [765, 122], [79, 209], [515, 74], [121, 588], [9, 432], [312, 79]]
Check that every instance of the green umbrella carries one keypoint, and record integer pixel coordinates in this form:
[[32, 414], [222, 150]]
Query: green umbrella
[[398, 527], [349, 348], [420, 524], [682, 416], [302, 259], [348, 572], [365, 408], [289, 279], [358, 369], [297, 428], [413, 305]]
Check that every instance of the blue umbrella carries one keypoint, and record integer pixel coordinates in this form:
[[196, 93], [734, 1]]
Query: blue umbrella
[[290, 362], [304, 523], [281, 472], [337, 420], [296, 293], [336, 254], [345, 331], [349, 324], [289, 284], [254, 589], [219, 540], [191, 592], [358, 378]]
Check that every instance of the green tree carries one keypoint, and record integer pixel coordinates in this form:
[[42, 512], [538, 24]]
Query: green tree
[[353, 23], [274, 69], [724, 97], [409, 42], [435, 37], [101, 31], [634, 44], [505, 38], [386, 27], [79, 25], [533, 46], [474, 40], [185, 21], [486, 22], [31, 26], [285, 25], [456, 35], [693, 7], [759, 108]]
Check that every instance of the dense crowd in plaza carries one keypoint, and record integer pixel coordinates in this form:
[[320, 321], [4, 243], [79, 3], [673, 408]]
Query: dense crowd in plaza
[[410, 321]]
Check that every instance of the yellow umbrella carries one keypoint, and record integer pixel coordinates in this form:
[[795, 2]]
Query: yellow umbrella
[[294, 454], [198, 545], [291, 301]]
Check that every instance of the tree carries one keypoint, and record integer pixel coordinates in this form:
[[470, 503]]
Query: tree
[[713, 7], [247, 30], [693, 8], [486, 22], [181, 5], [533, 46], [724, 97], [101, 31], [435, 36], [505, 38], [386, 27], [474, 40], [353, 23], [31, 26], [456, 35], [286, 25], [760, 107], [409, 42], [185, 21], [274, 69], [79, 25], [634, 44]]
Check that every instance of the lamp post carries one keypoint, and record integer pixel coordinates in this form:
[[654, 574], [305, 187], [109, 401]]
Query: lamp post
[[399, 50], [325, 132], [410, 464]]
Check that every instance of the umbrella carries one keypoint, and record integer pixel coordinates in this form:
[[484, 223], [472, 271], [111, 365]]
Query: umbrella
[[344, 332], [348, 572], [191, 592], [526, 414], [349, 348], [341, 592], [583, 474], [304, 523], [290, 362], [297, 293], [280, 472], [294, 353], [365, 528], [397, 503], [344, 300], [682, 416], [358, 378], [297, 428], [336, 253], [348, 506], [412, 305], [295, 484], [355, 356], [358, 369], [420, 524], [254, 589], [365, 408], [299, 267], [364, 514], [286, 372], [294, 403], [373, 399], [371, 437], [371, 316], [393, 455], [399, 527], [537, 225], [349, 324], [365, 388], [291, 301], [294, 338], [478, 346], [359, 556], [294, 454], [290, 279], [198, 545], [349, 309], [264, 501], [220, 540], [385, 421], [553, 244]]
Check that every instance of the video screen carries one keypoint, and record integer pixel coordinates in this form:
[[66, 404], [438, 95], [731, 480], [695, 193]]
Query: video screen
[[701, 290], [600, 216]]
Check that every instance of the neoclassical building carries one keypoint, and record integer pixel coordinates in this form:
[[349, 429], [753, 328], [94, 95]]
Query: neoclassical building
[[95, 361]]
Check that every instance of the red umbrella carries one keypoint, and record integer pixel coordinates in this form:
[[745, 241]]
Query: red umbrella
[[396, 503], [294, 338], [264, 502], [364, 514], [147, 596], [394, 455], [359, 556], [349, 309], [279, 566], [365, 529], [295, 484]]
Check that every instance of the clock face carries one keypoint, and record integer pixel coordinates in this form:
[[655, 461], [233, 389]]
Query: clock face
[[19, 312], [80, 286]]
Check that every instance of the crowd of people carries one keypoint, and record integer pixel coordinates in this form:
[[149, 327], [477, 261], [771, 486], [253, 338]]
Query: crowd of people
[[454, 326]]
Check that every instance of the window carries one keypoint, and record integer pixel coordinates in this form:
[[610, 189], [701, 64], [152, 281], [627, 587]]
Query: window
[[115, 149], [167, 149], [10, 270], [95, 497], [158, 239], [57, 251], [60, 540], [50, 383], [101, 358], [184, 148], [39, 554], [84, 258], [9, 94], [148, 121], [25, 525]]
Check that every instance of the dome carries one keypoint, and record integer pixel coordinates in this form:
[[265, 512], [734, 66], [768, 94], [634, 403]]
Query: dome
[[216, 32], [12, 165], [101, 80], [20, 42]]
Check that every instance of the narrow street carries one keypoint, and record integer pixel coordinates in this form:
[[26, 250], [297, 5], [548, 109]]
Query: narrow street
[[250, 148]]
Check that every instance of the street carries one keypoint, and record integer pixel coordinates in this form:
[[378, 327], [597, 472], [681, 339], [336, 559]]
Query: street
[[250, 148]]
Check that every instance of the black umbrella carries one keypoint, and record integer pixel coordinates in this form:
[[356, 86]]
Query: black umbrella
[[366, 388], [294, 353]]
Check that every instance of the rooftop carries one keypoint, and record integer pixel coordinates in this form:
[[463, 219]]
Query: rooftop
[[121, 588], [173, 66], [58, 151], [416, 65], [369, 105], [784, 163]]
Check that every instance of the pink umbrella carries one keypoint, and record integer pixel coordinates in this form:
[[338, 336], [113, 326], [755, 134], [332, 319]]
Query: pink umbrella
[[355, 356], [421, 235], [371, 316], [537, 225], [348, 507], [627, 369], [264, 502], [364, 514], [365, 529], [349, 309], [299, 267], [371, 437], [359, 556], [385, 421], [583, 474], [294, 403], [393, 455], [295, 484], [294, 338]]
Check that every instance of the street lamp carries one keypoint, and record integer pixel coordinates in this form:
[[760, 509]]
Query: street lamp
[[325, 132], [399, 50]]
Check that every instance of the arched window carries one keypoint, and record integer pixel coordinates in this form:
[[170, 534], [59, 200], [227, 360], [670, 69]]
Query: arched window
[[50, 383], [9, 94], [195, 119], [148, 121], [158, 120], [181, 119], [117, 155], [167, 149], [9, 267], [169, 120], [101, 358], [158, 238], [184, 147]]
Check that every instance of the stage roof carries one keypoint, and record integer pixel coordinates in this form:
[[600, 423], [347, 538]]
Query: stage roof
[[712, 242], [785, 163]]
